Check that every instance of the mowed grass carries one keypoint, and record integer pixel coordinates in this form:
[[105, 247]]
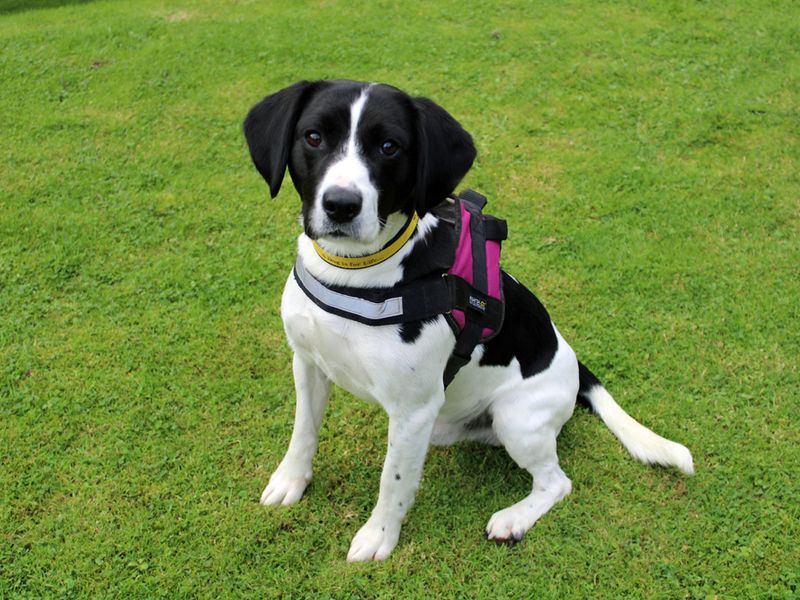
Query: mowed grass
[[647, 158]]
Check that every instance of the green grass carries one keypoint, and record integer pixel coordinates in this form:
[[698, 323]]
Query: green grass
[[647, 158]]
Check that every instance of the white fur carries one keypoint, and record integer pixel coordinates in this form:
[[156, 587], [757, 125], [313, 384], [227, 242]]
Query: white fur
[[643, 444], [350, 172], [290, 479]]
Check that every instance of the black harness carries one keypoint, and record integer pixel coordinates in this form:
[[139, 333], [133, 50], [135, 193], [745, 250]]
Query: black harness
[[451, 292]]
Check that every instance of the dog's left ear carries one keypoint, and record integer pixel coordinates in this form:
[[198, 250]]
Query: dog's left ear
[[446, 153], [269, 127]]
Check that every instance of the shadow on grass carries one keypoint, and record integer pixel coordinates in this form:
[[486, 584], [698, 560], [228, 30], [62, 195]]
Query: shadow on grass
[[15, 6]]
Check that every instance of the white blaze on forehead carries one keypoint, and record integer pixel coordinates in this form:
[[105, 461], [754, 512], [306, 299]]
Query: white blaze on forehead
[[346, 171], [355, 117], [350, 171]]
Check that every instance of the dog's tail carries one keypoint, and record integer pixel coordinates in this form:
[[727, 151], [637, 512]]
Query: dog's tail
[[643, 444]]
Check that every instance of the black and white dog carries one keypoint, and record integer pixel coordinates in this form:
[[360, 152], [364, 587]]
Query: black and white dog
[[363, 158]]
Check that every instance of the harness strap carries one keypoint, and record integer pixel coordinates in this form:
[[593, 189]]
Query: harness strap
[[474, 198], [349, 305], [494, 228], [466, 341], [422, 299], [482, 228], [482, 308]]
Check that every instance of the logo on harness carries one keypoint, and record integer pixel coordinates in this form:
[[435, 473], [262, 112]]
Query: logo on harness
[[477, 304]]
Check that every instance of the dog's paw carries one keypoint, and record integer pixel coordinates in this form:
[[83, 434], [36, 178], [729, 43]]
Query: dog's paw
[[286, 486], [507, 526], [373, 542]]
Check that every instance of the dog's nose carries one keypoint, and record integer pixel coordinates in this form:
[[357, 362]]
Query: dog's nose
[[341, 204]]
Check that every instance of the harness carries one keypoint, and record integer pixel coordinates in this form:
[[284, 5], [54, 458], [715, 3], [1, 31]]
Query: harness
[[467, 289]]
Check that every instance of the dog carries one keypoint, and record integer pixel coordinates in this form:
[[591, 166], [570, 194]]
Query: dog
[[364, 159]]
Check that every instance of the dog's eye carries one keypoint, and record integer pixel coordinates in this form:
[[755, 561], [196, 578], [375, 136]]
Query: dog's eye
[[313, 138], [389, 148]]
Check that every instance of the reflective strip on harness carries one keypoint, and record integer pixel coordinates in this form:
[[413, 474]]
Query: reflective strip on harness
[[391, 307]]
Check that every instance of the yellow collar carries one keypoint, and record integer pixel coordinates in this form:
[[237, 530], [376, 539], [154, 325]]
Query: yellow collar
[[360, 262]]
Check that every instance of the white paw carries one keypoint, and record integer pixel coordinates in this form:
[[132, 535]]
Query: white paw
[[373, 542], [507, 526], [286, 486]]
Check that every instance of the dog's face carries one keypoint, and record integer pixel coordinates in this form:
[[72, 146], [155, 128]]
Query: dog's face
[[352, 159], [357, 153]]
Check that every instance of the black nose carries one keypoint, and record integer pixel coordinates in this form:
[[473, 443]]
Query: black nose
[[341, 204]]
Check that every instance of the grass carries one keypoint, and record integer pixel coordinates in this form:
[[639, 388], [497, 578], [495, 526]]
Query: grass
[[646, 156]]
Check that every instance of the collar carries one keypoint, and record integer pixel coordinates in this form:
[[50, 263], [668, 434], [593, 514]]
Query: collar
[[360, 262]]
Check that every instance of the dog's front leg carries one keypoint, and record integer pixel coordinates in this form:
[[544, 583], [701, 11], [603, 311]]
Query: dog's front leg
[[409, 434], [290, 479]]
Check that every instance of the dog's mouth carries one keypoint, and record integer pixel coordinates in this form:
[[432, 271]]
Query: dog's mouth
[[355, 237], [336, 232], [340, 232]]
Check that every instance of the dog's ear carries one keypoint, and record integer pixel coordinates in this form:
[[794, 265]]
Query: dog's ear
[[269, 127], [446, 153]]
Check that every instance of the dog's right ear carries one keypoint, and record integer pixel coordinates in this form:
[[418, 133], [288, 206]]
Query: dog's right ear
[[268, 129]]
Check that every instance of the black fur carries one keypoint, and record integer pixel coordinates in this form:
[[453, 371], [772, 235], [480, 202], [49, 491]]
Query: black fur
[[434, 255], [588, 380], [269, 129], [434, 150], [447, 153], [410, 330], [527, 333]]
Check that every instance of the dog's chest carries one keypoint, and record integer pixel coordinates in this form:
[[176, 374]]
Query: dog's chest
[[372, 363]]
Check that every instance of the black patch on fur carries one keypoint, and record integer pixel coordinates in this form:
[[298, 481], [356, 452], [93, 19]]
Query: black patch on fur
[[527, 333], [432, 255], [482, 421], [588, 380], [397, 476], [410, 331]]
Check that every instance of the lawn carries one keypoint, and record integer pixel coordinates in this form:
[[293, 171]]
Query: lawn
[[647, 158]]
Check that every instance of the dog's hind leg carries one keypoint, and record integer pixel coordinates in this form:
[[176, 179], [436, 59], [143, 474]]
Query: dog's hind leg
[[550, 485], [527, 421], [289, 481]]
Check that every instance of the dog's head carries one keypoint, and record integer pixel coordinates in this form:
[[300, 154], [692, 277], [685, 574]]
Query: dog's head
[[357, 153]]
